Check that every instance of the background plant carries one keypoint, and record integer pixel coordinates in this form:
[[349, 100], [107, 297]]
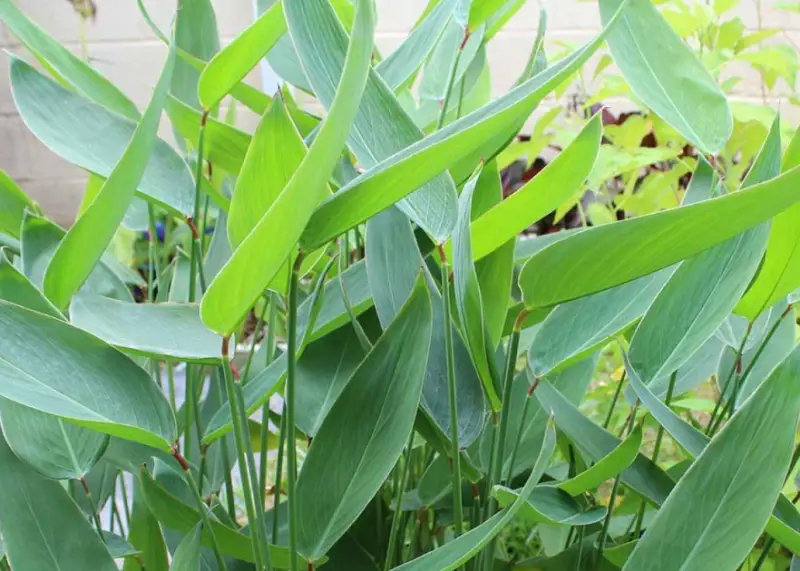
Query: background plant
[[619, 394]]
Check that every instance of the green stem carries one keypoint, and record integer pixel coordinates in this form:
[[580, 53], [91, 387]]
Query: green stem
[[168, 365], [611, 501], [279, 476], [614, 400], [93, 507], [363, 340], [726, 384], [525, 407], [125, 502], [656, 451], [270, 341], [230, 496], [238, 422], [764, 554], [259, 326], [201, 506], [397, 515], [291, 389], [155, 257], [451, 81], [198, 178], [458, 502]]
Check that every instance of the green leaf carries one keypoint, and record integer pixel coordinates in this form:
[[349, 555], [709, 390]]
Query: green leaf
[[365, 430], [163, 330], [13, 202], [275, 153], [381, 127], [479, 135], [735, 474], [42, 527], [606, 256], [240, 283], [114, 396], [173, 513], [332, 315], [704, 289], [482, 10], [65, 66], [495, 271], [780, 272], [648, 51], [18, 289], [572, 382], [393, 263], [195, 34], [87, 240], [399, 67], [595, 443], [146, 535], [187, 556], [95, 139], [702, 184], [40, 238], [233, 63], [606, 468], [468, 298], [549, 504], [577, 328], [455, 553]]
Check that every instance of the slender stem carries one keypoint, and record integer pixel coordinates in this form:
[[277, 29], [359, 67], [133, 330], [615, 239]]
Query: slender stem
[[731, 406], [198, 178], [363, 339], [230, 496], [397, 515], [525, 407], [500, 446], [581, 535], [611, 501], [279, 476], [238, 421], [155, 257], [201, 507], [291, 389], [458, 502], [764, 554], [125, 502], [614, 400], [451, 81], [270, 342], [169, 366], [736, 365], [656, 451], [93, 507]]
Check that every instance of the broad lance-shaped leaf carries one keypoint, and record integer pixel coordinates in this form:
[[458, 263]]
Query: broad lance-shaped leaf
[[393, 263], [455, 553], [63, 65], [468, 298], [548, 504], [239, 284], [608, 467], [648, 51], [43, 527], [195, 34], [187, 556], [463, 142], [595, 443], [381, 127], [704, 289], [94, 138], [173, 513], [275, 153], [87, 240], [365, 431], [233, 63], [332, 315], [54, 448], [399, 67], [495, 271], [447, 53], [114, 394], [700, 524], [164, 330], [13, 202], [575, 329], [606, 256], [780, 272], [146, 535]]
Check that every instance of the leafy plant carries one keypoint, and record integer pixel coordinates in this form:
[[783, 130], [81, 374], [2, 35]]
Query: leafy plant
[[447, 394]]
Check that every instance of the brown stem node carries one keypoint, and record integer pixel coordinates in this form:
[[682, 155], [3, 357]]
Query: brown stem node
[[179, 458], [193, 227]]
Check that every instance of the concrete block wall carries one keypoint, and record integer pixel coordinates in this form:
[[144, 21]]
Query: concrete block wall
[[121, 46]]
